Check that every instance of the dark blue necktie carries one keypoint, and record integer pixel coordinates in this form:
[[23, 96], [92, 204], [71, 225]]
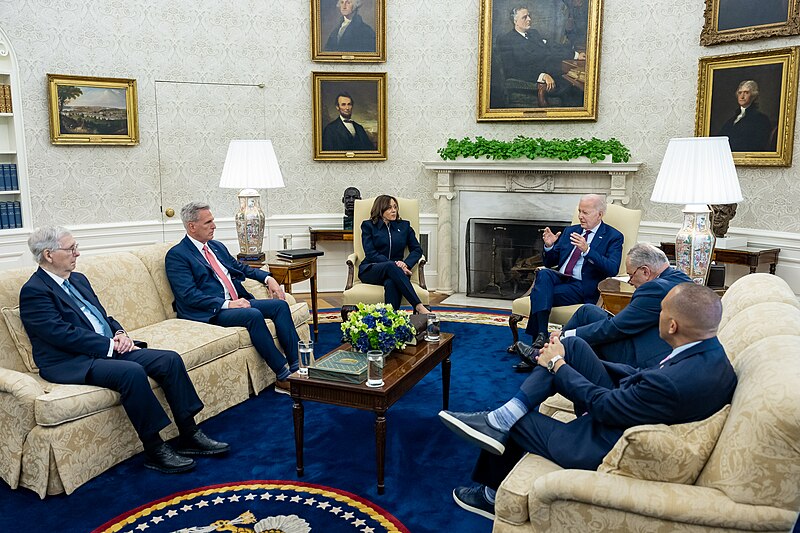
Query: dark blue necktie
[[82, 302]]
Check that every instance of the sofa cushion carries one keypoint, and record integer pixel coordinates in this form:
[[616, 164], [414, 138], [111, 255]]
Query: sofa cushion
[[756, 322], [658, 452], [19, 336], [196, 342], [755, 289], [757, 458], [64, 403]]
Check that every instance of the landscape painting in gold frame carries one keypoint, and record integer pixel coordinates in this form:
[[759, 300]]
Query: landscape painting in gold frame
[[764, 85], [539, 60], [744, 20], [348, 31], [349, 116], [91, 110]]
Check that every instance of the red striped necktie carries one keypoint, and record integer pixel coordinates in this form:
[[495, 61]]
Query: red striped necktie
[[218, 271]]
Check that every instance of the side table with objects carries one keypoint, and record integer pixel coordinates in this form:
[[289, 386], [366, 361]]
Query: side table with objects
[[401, 371]]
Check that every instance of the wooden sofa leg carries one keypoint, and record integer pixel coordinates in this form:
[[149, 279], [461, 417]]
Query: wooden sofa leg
[[513, 320]]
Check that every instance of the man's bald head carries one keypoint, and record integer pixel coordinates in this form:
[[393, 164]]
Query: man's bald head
[[689, 313]]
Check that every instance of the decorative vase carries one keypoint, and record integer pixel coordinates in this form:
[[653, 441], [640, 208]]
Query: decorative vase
[[694, 243], [250, 223]]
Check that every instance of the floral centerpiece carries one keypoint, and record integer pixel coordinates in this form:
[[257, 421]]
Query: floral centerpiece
[[378, 327]]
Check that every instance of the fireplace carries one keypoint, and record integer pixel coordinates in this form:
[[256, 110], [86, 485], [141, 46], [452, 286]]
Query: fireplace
[[502, 255]]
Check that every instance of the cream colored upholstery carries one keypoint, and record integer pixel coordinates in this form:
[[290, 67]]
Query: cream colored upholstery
[[750, 481], [54, 438], [624, 220], [355, 291]]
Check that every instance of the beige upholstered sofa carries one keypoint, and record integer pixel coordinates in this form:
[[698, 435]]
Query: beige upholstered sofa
[[750, 481], [54, 438]]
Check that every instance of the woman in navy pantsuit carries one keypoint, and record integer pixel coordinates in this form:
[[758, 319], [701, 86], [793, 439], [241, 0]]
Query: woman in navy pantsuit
[[385, 238]]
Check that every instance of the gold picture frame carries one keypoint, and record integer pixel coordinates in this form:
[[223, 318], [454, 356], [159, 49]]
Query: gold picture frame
[[547, 72], [361, 40], [744, 20], [91, 110], [764, 134], [366, 93]]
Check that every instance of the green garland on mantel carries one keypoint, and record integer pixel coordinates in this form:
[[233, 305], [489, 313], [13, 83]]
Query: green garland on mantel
[[594, 149]]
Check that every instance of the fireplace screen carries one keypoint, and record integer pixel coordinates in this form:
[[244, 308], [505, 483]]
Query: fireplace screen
[[503, 254]]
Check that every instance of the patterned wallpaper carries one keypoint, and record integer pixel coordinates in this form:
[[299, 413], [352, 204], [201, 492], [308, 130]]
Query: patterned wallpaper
[[648, 80]]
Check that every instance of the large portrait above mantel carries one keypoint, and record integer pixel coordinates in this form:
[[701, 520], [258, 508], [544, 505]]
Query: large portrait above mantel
[[539, 59]]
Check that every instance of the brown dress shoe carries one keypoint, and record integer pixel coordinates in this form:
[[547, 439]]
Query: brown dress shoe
[[283, 387]]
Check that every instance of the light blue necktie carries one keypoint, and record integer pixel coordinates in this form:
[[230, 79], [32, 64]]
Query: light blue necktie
[[82, 302]]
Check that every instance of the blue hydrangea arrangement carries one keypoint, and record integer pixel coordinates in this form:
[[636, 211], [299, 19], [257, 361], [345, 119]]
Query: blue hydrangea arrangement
[[378, 327]]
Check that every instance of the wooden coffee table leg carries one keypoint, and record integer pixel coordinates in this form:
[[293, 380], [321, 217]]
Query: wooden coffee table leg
[[380, 446], [297, 415], [446, 384]]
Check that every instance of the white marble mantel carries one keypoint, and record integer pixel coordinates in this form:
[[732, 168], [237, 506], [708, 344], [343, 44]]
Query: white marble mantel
[[542, 176]]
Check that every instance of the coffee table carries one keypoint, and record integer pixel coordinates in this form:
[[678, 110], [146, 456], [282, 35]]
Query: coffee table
[[402, 370]]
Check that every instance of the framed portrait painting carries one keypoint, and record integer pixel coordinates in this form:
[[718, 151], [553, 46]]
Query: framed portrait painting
[[351, 31], [349, 112], [744, 20], [539, 59], [89, 110], [751, 98]]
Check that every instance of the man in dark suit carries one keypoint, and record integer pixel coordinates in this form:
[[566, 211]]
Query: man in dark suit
[[748, 130], [693, 382], [344, 133], [527, 56], [630, 337], [351, 34], [75, 341], [587, 253], [207, 283]]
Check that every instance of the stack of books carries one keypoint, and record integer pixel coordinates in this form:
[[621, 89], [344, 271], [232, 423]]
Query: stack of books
[[5, 99], [299, 253], [8, 177], [10, 215], [341, 365]]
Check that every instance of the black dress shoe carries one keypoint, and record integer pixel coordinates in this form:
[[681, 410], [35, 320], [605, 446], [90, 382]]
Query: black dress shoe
[[475, 428], [164, 459], [523, 367], [541, 340], [527, 353], [200, 444]]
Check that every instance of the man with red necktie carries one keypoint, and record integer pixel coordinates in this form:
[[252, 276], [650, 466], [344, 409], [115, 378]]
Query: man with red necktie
[[207, 283], [586, 254]]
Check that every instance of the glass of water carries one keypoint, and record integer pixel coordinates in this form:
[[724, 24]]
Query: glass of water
[[432, 333], [305, 356], [374, 368]]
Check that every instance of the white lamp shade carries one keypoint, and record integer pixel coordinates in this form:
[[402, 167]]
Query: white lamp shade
[[697, 170], [251, 165]]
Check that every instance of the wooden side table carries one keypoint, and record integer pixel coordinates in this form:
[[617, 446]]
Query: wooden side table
[[289, 271], [750, 257], [329, 235], [615, 295]]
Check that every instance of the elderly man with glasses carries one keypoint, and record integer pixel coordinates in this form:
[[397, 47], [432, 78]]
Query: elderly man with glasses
[[75, 341], [630, 337]]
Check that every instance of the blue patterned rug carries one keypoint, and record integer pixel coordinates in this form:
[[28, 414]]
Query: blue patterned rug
[[258, 506]]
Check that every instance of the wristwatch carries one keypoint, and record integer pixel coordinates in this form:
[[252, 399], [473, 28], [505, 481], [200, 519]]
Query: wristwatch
[[551, 364]]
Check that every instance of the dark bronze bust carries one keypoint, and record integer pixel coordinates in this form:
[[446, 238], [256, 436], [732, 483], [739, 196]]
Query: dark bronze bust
[[351, 194]]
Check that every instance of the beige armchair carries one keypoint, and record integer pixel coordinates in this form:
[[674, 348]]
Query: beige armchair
[[626, 221], [748, 481], [355, 291]]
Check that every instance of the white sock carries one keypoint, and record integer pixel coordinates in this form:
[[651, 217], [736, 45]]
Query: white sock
[[507, 415], [489, 494]]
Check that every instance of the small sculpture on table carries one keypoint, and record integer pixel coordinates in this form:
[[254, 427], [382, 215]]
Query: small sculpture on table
[[722, 215], [351, 194]]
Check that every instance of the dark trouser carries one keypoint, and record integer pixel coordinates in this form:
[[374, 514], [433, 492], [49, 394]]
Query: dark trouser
[[619, 351], [396, 284], [551, 289], [533, 431], [127, 374], [252, 318]]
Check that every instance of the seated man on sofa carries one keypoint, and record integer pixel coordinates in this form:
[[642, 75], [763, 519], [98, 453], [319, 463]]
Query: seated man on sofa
[[693, 382], [207, 283], [586, 254], [74, 341], [630, 337]]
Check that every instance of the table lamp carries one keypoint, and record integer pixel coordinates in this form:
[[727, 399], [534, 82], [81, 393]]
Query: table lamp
[[696, 171], [250, 165]]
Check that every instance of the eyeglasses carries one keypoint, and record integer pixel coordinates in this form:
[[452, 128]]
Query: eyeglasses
[[72, 249], [630, 276]]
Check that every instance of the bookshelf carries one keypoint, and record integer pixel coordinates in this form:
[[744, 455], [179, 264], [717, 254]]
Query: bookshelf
[[14, 204]]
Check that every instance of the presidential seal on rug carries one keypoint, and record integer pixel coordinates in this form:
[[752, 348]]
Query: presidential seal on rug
[[259, 507]]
